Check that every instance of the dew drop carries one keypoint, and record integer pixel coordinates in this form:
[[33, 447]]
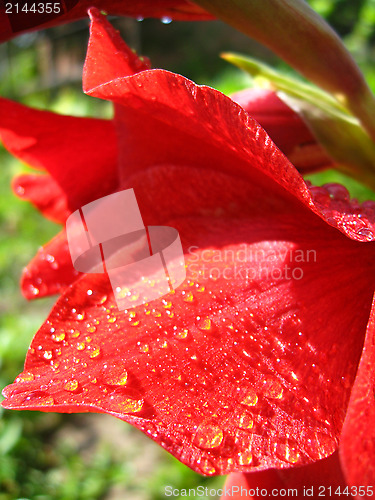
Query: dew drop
[[287, 453], [365, 232], [319, 445], [337, 192], [208, 436], [81, 346], [91, 329], [272, 389], [156, 313], [250, 399], [182, 334], [245, 422], [123, 404], [71, 385], [189, 297], [204, 324], [245, 457], [47, 355], [34, 290], [58, 337], [75, 333], [166, 20], [207, 468], [167, 304], [111, 319], [143, 347], [116, 375], [95, 352]]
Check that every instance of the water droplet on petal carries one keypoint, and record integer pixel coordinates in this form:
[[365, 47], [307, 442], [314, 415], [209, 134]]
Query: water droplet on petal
[[245, 422], [143, 347], [95, 352], [204, 324], [319, 445], [71, 385], [115, 375], [337, 192], [33, 290], [188, 297], [182, 334], [272, 389], [287, 452], [250, 399], [208, 436], [123, 404], [58, 337], [245, 457], [207, 468]]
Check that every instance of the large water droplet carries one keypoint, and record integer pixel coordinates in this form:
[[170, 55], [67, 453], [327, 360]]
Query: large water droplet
[[207, 467], [115, 375], [287, 452], [272, 389], [208, 436], [244, 422], [250, 399], [245, 457], [71, 385], [123, 404], [94, 352], [204, 324], [58, 337]]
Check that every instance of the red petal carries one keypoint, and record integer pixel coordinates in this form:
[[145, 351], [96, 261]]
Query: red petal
[[357, 447], [165, 119], [50, 271], [320, 479], [15, 24], [116, 58], [43, 192], [285, 127], [229, 373], [79, 153]]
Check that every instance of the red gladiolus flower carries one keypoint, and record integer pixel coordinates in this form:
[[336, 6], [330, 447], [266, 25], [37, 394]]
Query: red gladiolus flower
[[285, 127], [17, 19], [264, 357]]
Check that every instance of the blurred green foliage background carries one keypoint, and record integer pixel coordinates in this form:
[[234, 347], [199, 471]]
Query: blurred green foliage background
[[76, 457]]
